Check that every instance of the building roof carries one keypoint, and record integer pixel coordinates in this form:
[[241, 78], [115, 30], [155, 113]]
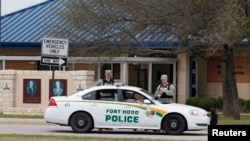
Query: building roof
[[27, 28], [27, 25]]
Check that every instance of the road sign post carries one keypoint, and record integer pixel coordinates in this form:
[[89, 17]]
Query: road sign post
[[54, 52]]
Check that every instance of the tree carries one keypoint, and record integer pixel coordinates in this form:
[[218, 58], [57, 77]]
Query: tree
[[205, 27]]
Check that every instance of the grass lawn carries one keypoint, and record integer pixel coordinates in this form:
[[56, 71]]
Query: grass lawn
[[244, 119]]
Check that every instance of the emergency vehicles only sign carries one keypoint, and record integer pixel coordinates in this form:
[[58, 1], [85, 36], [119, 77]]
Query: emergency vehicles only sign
[[54, 52], [55, 47]]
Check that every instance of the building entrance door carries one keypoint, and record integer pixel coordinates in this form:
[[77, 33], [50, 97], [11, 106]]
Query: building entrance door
[[141, 78], [157, 71], [138, 75]]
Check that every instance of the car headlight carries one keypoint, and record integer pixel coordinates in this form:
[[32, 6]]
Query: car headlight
[[197, 113]]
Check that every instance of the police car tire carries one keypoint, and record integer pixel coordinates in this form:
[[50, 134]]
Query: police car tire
[[174, 124], [81, 122]]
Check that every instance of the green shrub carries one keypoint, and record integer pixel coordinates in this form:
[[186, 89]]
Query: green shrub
[[247, 105], [193, 101], [219, 103], [242, 104], [207, 103]]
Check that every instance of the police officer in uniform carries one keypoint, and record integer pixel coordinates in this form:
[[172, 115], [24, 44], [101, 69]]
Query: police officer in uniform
[[108, 80], [165, 91]]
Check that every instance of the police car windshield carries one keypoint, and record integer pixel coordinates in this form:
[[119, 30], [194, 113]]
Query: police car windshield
[[148, 93], [152, 97]]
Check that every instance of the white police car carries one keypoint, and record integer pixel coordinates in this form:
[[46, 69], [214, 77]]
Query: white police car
[[123, 107]]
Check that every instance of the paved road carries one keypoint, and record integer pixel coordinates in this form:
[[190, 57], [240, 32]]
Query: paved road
[[39, 127]]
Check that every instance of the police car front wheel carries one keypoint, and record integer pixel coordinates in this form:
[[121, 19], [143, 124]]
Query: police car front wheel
[[174, 124], [81, 122]]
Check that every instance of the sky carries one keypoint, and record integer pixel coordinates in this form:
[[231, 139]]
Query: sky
[[9, 6]]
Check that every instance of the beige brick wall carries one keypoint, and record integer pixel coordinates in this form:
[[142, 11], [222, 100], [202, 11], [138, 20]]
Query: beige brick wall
[[215, 89], [204, 88], [11, 101]]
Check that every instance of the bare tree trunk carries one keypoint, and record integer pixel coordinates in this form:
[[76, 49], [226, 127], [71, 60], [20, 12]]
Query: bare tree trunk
[[230, 92]]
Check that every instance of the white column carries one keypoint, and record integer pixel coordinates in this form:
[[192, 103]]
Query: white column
[[174, 73], [174, 80], [98, 75], [3, 65], [150, 77], [73, 66], [112, 68], [125, 73], [64, 68]]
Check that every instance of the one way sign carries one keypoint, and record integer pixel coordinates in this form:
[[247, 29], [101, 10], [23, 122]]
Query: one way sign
[[54, 61]]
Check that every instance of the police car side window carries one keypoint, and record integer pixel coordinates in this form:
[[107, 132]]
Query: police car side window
[[107, 95], [131, 96], [88, 95], [128, 96], [139, 97]]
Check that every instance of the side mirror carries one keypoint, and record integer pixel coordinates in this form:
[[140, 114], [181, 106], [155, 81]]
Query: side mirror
[[146, 101]]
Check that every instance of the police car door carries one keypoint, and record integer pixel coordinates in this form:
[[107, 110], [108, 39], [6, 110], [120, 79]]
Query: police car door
[[104, 108], [135, 112]]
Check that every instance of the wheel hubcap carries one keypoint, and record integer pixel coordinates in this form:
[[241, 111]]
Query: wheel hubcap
[[81, 122], [173, 124]]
